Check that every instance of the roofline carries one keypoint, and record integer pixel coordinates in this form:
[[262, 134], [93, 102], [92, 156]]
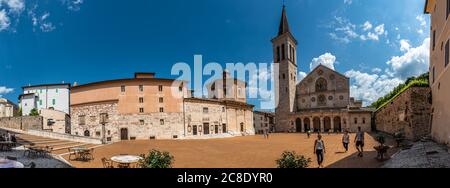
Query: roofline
[[9, 101], [46, 85], [221, 102], [325, 67], [426, 6], [124, 80]]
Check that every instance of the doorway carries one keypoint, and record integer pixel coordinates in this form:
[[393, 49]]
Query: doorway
[[216, 129], [224, 128], [206, 128], [194, 130], [124, 134]]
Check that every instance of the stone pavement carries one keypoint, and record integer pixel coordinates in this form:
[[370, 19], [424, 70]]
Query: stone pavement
[[423, 154]]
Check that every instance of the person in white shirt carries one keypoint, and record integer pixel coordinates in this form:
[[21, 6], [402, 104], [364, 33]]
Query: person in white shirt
[[346, 140], [319, 150]]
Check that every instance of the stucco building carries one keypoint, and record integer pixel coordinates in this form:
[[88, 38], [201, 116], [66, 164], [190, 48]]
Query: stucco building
[[320, 102], [7, 108], [146, 107], [439, 69], [263, 121], [48, 96]]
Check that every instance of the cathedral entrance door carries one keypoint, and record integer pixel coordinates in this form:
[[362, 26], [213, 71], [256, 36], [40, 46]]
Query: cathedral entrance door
[[327, 124], [337, 124], [298, 125], [316, 125], [307, 121]]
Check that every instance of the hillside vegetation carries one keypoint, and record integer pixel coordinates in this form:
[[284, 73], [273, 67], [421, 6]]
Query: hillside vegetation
[[420, 81]]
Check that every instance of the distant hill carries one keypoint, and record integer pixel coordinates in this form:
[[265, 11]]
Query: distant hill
[[420, 81]]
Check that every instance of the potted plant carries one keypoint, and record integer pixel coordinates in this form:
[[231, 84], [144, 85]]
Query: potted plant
[[157, 159], [381, 149], [399, 137], [289, 159]]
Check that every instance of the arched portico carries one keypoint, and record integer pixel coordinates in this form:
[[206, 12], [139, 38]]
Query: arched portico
[[337, 124], [327, 124], [307, 124]]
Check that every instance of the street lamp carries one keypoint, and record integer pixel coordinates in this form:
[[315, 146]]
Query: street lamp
[[103, 121]]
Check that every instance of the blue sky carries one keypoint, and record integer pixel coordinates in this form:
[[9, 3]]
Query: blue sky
[[377, 43]]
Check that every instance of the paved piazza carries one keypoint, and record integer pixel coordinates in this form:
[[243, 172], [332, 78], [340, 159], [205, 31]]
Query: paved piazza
[[242, 152]]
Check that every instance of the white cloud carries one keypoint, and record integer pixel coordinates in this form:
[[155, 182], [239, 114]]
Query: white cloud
[[421, 19], [73, 5], [379, 30], [345, 31], [413, 62], [11, 12], [326, 59], [375, 34], [301, 76], [423, 24], [376, 70], [4, 20], [370, 87], [372, 36], [348, 2], [15, 6], [367, 26], [5, 90], [404, 45]]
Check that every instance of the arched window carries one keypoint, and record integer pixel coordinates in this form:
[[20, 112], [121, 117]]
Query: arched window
[[321, 85]]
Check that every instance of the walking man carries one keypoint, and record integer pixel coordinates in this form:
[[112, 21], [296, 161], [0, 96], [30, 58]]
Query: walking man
[[359, 139], [346, 140], [319, 150]]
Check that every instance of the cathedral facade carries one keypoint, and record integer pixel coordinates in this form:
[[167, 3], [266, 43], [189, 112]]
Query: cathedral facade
[[321, 102]]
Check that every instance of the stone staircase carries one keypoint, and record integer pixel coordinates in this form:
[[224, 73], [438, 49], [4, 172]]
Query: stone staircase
[[59, 146]]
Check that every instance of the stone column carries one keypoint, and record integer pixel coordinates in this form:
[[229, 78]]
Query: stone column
[[302, 125], [322, 126], [332, 124]]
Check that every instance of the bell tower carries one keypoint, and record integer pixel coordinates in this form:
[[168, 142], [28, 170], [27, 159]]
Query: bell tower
[[285, 60]]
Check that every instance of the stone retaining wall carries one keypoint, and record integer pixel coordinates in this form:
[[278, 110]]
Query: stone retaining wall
[[22, 123], [410, 111]]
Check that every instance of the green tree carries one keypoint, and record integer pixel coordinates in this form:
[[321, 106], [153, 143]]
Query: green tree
[[289, 159], [19, 112], [34, 112], [157, 159], [420, 81]]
